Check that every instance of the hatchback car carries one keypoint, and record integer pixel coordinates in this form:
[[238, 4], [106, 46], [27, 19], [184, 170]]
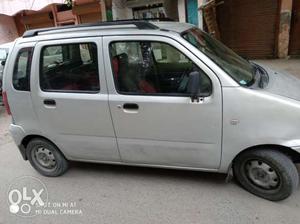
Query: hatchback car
[[156, 94]]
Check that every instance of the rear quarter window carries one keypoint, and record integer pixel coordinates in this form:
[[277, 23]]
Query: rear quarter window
[[22, 68], [70, 68]]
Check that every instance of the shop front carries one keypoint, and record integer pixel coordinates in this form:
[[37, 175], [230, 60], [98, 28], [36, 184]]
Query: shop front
[[51, 13]]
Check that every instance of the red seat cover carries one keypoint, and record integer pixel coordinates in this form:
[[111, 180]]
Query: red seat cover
[[146, 87], [115, 65]]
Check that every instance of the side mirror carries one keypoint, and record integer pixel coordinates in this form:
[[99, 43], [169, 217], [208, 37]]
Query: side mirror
[[3, 63], [193, 87]]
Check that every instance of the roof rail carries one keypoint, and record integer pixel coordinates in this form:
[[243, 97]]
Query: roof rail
[[154, 19], [140, 24]]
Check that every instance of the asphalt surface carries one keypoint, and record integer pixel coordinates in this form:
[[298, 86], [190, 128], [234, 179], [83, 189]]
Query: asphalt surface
[[121, 194]]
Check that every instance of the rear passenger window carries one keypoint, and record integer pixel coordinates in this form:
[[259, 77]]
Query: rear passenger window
[[21, 75], [70, 68]]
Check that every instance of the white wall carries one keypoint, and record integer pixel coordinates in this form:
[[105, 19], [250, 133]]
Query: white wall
[[120, 11], [200, 14], [181, 11], [8, 29]]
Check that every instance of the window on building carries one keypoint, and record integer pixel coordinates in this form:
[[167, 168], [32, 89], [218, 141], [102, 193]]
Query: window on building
[[145, 67], [70, 68], [150, 11], [22, 67]]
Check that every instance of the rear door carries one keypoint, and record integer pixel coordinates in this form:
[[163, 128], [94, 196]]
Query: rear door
[[155, 121], [70, 98]]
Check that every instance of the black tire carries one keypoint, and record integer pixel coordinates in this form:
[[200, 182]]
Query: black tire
[[60, 163], [282, 165]]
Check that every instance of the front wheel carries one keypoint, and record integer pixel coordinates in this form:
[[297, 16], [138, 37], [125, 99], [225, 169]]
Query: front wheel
[[266, 173]]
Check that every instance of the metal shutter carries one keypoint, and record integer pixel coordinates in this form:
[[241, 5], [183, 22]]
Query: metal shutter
[[249, 27], [295, 30]]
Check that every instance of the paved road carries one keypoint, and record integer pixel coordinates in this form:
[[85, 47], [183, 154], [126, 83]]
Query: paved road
[[118, 194], [292, 65]]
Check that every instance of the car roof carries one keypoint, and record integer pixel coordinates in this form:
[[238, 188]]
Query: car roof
[[174, 26], [123, 27]]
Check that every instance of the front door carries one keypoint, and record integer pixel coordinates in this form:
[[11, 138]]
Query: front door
[[70, 98], [156, 122]]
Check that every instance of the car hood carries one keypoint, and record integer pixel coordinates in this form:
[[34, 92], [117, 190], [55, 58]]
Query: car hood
[[283, 84]]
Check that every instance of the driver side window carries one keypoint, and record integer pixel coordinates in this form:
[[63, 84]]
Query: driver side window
[[154, 68]]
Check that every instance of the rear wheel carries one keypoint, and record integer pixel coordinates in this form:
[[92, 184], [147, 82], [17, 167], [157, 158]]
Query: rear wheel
[[266, 173], [46, 158]]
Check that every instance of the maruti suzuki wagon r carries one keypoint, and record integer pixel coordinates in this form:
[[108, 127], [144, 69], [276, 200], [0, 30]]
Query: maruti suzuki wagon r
[[157, 94]]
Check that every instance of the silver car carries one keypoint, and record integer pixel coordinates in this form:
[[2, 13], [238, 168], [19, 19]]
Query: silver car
[[160, 94]]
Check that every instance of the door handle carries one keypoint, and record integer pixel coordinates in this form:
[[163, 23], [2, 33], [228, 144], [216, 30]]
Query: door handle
[[49, 102], [130, 107]]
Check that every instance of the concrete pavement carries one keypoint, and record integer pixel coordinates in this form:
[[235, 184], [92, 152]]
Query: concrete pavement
[[120, 194], [289, 65]]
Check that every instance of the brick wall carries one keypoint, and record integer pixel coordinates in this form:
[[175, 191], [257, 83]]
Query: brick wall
[[8, 30]]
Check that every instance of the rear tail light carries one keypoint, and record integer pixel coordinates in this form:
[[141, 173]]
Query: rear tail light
[[5, 101]]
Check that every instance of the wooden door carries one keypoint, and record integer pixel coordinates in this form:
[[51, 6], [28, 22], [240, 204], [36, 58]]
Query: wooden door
[[294, 47]]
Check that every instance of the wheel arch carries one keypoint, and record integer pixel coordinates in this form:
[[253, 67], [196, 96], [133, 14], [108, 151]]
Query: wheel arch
[[291, 153], [28, 138]]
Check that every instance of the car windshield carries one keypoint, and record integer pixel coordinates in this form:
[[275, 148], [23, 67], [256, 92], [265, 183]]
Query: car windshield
[[235, 66]]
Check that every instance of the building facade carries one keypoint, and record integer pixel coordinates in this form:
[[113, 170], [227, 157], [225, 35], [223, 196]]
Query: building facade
[[256, 28], [178, 10], [252, 28], [57, 13], [8, 29]]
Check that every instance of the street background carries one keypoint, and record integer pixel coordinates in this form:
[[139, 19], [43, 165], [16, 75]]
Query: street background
[[121, 194]]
